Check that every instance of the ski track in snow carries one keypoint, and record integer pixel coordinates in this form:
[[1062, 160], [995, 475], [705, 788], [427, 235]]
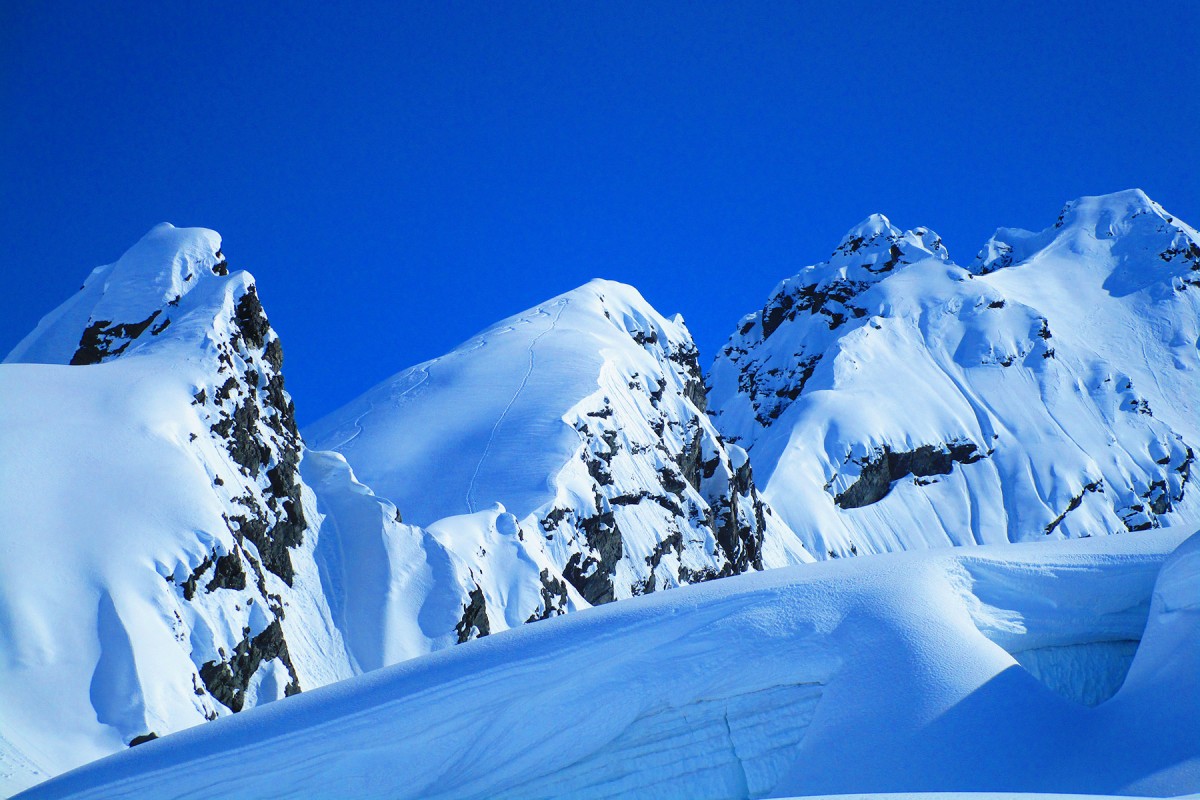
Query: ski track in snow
[[358, 426], [487, 448], [1153, 372]]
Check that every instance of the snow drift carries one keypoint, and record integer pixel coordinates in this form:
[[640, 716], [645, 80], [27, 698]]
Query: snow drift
[[886, 674]]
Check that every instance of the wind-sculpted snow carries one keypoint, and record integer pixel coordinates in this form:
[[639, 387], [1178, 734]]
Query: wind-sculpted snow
[[159, 539], [887, 674], [890, 399], [1041, 630], [717, 747], [584, 418], [174, 553], [158, 566]]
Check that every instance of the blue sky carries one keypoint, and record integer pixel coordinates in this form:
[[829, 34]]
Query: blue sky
[[401, 176]]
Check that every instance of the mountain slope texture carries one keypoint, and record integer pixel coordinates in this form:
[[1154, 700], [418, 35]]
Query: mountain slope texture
[[891, 399], [175, 551]]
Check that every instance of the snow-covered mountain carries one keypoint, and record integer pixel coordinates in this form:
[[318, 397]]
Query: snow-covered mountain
[[157, 543], [891, 399], [171, 550], [175, 553], [165, 558], [585, 418], [964, 669]]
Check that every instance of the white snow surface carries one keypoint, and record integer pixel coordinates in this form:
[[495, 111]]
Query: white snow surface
[[397, 591], [116, 495], [493, 405], [582, 417], [891, 399], [165, 264], [144, 434], [886, 674]]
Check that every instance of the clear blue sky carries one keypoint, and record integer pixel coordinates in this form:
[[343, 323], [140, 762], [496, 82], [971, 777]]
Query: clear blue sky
[[401, 176]]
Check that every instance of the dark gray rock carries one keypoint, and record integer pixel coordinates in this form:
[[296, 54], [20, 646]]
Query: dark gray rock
[[474, 623], [227, 680], [887, 466]]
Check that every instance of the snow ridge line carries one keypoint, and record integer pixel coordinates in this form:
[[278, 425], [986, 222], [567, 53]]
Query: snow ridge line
[[487, 448]]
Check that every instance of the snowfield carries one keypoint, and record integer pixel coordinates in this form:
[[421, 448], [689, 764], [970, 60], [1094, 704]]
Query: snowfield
[[897, 673]]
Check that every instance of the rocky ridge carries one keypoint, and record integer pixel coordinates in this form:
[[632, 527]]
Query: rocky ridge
[[631, 488], [892, 399]]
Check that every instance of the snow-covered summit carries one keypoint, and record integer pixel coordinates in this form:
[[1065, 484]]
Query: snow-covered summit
[[1134, 238], [584, 417], [868, 252], [865, 242], [1050, 390], [130, 300], [159, 567]]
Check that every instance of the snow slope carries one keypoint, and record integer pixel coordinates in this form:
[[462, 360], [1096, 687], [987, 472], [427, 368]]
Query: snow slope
[[165, 560], [891, 399], [584, 418], [157, 564], [889, 674]]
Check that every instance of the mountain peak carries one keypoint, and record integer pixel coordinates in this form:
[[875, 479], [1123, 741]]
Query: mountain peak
[[876, 234], [868, 253], [162, 266], [138, 292], [1107, 215], [876, 237], [858, 370], [871, 228], [1113, 223], [607, 292]]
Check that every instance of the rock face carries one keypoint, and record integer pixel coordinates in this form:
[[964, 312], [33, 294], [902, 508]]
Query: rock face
[[892, 399], [584, 417]]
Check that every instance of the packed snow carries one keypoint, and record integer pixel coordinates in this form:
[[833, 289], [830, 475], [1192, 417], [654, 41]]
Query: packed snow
[[887, 674]]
